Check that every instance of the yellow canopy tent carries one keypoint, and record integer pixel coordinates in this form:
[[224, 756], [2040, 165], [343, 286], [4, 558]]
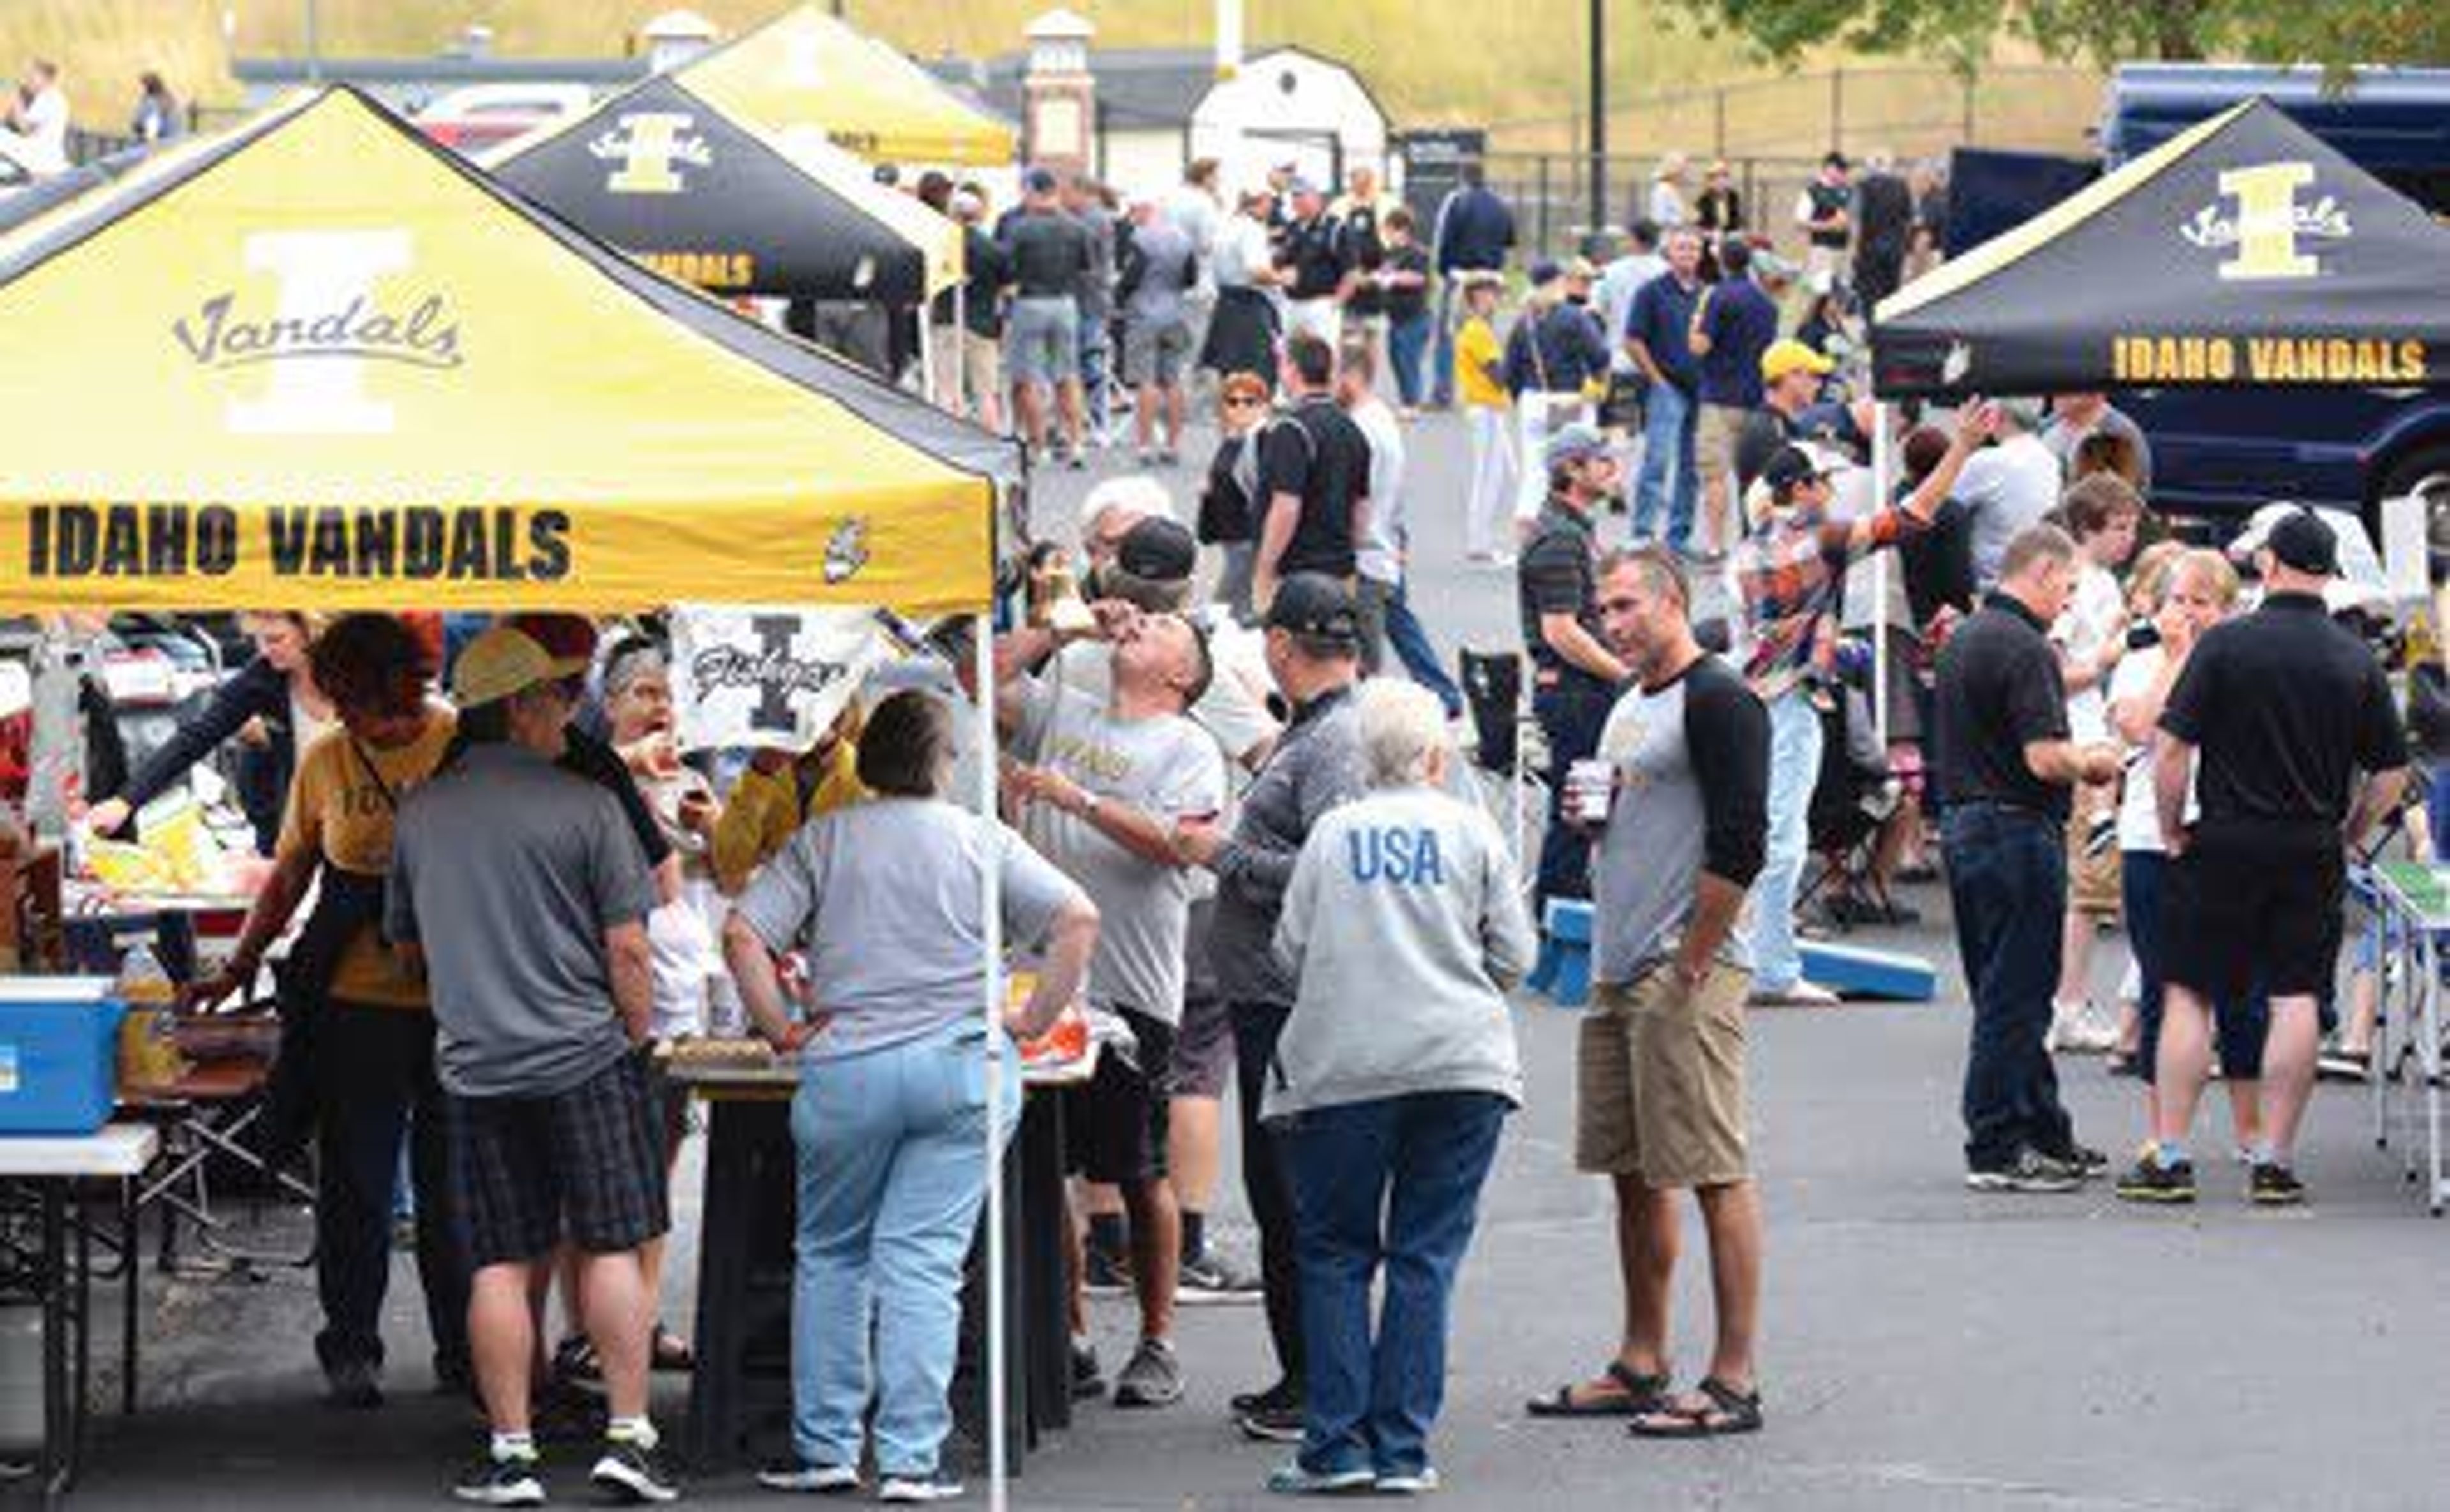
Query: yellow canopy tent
[[319, 362], [804, 69]]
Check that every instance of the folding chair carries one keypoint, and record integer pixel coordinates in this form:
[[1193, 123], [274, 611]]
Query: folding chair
[[1505, 737]]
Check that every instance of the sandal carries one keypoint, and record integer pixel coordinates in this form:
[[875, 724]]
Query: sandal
[[1724, 1412], [1642, 1393], [670, 1353]]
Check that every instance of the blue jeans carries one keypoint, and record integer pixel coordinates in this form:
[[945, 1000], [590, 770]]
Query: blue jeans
[[1572, 712], [2006, 881], [1406, 340], [1097, 391], [1396, 1180], [1411, 641], [1795, 737], [892, 1169], [1442, 359], [1669, 418]]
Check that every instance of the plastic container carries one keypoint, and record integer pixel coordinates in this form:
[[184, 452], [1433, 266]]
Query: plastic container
[[59, 1043]]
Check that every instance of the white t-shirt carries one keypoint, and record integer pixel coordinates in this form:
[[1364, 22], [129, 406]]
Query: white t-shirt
[[42, 146], [2004, 489], [2139, 806], [2096, 612], [1381, 557]]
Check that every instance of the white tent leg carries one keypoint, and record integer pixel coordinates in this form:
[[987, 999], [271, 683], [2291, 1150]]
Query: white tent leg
[[991, 927], [928, 355], [1884, 473], [964, 400]]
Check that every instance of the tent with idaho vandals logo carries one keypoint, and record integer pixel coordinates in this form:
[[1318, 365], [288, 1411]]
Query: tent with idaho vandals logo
[[679, 183], [806, 69], [318, 363], [2244, 252]]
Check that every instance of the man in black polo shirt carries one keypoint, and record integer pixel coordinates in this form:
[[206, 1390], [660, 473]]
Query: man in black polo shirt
[[1574, 674], [2284, 709], [1312, 253], [1314, 473], [2006, 765]]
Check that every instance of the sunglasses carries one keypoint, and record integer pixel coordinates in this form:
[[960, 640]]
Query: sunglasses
[[1245, 404]]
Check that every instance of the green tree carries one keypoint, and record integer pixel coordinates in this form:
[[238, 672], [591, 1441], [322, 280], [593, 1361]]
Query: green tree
[[2334, 33]]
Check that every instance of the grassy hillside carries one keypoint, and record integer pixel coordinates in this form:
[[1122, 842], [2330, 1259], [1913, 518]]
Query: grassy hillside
[[1428, 60]]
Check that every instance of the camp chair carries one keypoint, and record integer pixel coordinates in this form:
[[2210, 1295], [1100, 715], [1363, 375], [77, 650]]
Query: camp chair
[[1497, 698]]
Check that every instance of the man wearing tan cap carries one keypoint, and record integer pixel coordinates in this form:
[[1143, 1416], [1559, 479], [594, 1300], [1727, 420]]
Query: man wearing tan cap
[[518, 891]]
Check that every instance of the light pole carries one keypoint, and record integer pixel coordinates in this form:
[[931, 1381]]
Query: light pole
[[1599, 134]]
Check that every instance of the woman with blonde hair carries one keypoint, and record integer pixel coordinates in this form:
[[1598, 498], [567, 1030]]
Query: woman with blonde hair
[[270, 707]]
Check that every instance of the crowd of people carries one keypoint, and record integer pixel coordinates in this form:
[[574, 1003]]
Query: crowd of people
[[36, 120]]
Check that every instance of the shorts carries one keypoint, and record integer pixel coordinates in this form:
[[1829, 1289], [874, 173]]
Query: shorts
[[1154, 353], [2252, 905], [1042, 340], [1714, 443], [586, 1165], [1660, 1080], [981, 367], [1116, 1126], [2093, 870]]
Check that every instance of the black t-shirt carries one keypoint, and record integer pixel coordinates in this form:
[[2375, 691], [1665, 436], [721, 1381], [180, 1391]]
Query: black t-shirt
[[1312, 251], [986, 273], [1050, 253], [1557, 573], [1828, 200], [2286, 707], [1320, 455], [1412, 304], [1361, 249], [1756, 441], [584, 755], [1999, 692]]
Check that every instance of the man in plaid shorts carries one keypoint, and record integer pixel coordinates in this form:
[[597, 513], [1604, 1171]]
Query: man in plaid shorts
[[1790, 571], [518, 889]]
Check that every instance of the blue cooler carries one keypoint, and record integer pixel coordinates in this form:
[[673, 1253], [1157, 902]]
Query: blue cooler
[[59, 1054]]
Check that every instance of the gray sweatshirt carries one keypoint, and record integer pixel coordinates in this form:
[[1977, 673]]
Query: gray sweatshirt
[[1405, 925], [1317, 766]]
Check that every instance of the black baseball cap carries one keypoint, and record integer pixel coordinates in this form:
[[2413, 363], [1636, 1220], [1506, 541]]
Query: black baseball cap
[[1157, 550], [1789, 467], [2301, 540], [1315, 607]]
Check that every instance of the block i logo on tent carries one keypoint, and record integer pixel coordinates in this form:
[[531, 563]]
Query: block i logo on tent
[[647, 149], [325, 325]]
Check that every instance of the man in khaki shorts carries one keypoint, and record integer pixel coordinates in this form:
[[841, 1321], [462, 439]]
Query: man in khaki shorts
[[1659, 1100]]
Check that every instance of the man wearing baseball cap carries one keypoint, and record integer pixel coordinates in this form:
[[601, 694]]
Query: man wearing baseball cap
[[2283, 725], [1574, 674], [1790, 574], [1313, 636], [518, 892], [1790, 374]]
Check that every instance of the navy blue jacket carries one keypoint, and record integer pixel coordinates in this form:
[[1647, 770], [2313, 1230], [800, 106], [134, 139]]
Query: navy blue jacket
[[1474, 230]]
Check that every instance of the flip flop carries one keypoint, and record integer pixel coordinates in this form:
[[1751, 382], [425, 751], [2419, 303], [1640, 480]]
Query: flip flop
[[1642, 1393], [1728, 1412]]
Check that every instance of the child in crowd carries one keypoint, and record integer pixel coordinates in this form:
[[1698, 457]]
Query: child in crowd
[[1480, 384]]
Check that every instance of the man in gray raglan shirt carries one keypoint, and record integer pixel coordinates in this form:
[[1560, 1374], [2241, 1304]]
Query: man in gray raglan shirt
[[1660, 1066], [1314, 653]]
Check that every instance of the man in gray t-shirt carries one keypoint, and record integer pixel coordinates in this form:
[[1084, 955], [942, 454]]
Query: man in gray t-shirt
[[1110, 786], [521, 891], [1159, 271]]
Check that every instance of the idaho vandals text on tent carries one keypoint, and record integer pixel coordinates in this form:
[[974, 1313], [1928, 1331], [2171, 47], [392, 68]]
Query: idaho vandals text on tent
[[413, 543]]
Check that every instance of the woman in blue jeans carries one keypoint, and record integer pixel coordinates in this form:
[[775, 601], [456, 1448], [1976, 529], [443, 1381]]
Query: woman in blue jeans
[[1403, 925], [882, 899]]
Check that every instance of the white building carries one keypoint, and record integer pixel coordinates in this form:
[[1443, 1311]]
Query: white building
[[1157, 108]]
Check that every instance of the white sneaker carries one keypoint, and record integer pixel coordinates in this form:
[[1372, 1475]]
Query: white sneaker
[[2079, 1029], [2100, 1025]]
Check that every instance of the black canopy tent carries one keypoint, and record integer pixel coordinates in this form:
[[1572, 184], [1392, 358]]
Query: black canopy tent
[[2244, 252], [678, 184]]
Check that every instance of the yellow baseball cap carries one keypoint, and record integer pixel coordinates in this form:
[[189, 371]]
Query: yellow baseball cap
[[497, 665], [1791, 356]]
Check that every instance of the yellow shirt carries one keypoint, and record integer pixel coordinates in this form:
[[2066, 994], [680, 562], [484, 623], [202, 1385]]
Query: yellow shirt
[[764, 812], [339, 814], [1475, 352]]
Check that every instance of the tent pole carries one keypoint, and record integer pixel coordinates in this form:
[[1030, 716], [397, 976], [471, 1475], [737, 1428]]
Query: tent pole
[[1884, 472], [991, 929], [927, 357], [962, 399]]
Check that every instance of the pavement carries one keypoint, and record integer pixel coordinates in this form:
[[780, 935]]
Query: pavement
[[1924, 1347]]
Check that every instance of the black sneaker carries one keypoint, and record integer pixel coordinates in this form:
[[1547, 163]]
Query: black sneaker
[[1281, 1424], [1105, 1275], [1209, 1279], [632, 1472], [2030, 1170], [1088, 1380], [489, 1482], [2083, 1160], [2148, 1180], [1284, 1393], [2271, 1185], [353, 1385], [575, 1364]]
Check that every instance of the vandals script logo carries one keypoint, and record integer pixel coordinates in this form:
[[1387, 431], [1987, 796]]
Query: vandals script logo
[[650, 148], [2268, 221], [328, 322], [847, 552]]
